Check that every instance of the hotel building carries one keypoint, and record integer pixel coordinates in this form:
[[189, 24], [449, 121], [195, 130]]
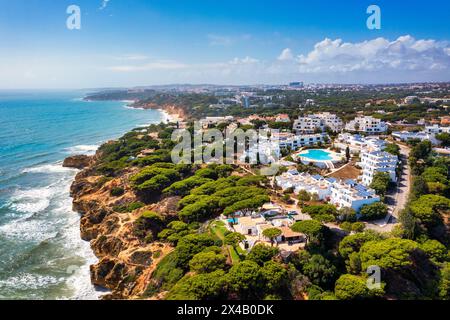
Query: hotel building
[[369, 125]]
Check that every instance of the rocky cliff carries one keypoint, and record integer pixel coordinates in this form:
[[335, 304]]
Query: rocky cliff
[[169, 108], [78, 162], [126, 262]]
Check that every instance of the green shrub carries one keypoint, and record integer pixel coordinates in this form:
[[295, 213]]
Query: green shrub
[[129, 207], [117, 191]]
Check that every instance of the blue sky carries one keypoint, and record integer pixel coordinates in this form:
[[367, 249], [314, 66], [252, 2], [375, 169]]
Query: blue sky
[[138, 42]]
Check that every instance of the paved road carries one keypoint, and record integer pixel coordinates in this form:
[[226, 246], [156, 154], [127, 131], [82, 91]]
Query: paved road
[[401, 195], [397, 199]]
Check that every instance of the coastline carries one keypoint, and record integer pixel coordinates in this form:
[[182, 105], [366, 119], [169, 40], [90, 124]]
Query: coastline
[[172, 113], [170, 117], [40, 232], [97, 257]]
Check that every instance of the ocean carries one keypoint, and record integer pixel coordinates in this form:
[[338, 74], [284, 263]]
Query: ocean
[[41, 253]]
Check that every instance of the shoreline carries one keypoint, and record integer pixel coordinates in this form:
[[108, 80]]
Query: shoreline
[[92, 259], [170, 117], [173, 115]]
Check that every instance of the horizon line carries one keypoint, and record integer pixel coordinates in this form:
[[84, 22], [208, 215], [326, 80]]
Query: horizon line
[[225, 85]]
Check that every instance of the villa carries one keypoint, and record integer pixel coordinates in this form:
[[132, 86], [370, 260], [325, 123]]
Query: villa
[[271, 216], [319, 121], [287, 235], [249, 225], [367, 124], [378, 161], [350, 194]]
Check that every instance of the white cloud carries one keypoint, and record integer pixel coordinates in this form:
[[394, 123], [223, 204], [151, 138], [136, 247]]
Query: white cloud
[[371, 61], [402, 54], [246, 60], [378, 60], [104, 4], [286, 55]]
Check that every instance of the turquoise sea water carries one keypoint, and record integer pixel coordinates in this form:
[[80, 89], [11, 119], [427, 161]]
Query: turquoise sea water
[[317, 155], [41, 253]]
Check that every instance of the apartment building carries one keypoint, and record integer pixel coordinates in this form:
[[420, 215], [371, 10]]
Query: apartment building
[[287, 140], [313, 184], [318, 121], [367, 124], [377, 161], [350, 194]]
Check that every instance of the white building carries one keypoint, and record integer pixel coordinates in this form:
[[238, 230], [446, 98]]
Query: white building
[[350, 194], [332, 121], [411, 100], [287, 140], [249, 225], [422, 136], [378, 161], [311, 123], [367, 124], [268, 152], [303, 181], [310, 103], [436, 129], [429, 133], [358, 143]]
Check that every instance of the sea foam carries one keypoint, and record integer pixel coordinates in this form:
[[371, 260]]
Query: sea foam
[[82, 149], [49, 168]]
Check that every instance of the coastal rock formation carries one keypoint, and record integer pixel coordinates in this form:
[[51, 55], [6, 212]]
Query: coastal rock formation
[[125, 262], [169, 108], [78, 162]]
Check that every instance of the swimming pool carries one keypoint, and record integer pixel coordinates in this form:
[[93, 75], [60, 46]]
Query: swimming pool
[[317, 155]]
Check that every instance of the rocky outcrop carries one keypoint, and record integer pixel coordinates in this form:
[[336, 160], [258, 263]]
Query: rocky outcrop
[[173, 109], [78, 162], [126, 262]]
